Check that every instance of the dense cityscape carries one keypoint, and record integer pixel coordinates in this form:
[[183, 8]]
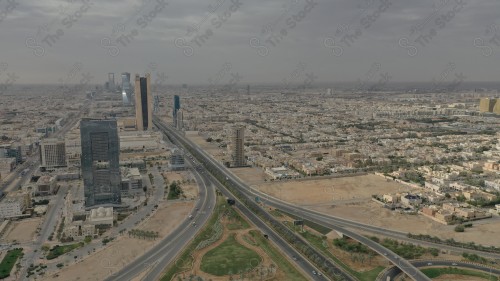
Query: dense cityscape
[[283, 140]]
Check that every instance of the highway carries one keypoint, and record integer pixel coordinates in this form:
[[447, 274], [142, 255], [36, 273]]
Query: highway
[[168, 248], [394, 271], [403, 264], [285, 246], [300, 262]]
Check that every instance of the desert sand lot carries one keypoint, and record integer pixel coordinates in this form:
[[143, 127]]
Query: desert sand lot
[[251, 176], [350, 197], [448, 277], [190, 189], [22, 231], [324, 191], [124, 250], [372, 213], [209, 147]]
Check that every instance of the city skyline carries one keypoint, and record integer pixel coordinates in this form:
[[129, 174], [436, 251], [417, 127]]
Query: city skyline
[[389, 36]]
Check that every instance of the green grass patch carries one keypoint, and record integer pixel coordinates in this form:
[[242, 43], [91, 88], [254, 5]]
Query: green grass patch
[[289, 269], [230, 257], [185, 260], [9, 261], [57, 250], [175, 191], [321, 244], [436, 272], [319, 228], [235, 220], [276, 213], [405, 250]]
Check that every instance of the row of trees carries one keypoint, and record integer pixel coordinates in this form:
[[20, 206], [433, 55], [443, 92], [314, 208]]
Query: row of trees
[[143, 234], [452, 242]]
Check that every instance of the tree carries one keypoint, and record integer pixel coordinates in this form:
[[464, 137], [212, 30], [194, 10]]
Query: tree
[[459, 228]]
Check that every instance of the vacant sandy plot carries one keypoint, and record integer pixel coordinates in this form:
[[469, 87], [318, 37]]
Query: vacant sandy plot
[[22, 231], [323, 191], [448, 277], [209, 147], [189, 187], [124, 250], [374, 214], [250, 176]]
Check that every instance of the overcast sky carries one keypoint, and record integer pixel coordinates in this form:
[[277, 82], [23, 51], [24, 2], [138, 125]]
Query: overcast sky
[[257, 41]]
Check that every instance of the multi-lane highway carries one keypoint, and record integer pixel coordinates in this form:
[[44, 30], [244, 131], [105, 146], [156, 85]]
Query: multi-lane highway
[[393, 271], [403, 264], [287, 250], [168, 248]]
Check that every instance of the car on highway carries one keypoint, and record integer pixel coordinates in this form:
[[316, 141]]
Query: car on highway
[[319, 274], [314, 272], [429, 263], [454, 263]]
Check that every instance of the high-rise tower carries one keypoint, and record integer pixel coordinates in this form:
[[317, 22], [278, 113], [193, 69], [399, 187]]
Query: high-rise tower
[[237, 146], [100, 161], [52, 153], [111, 81], [177, 107], [126, 89], [143, 103]]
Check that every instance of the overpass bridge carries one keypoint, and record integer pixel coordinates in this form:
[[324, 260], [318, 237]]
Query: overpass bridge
[[231, 180]]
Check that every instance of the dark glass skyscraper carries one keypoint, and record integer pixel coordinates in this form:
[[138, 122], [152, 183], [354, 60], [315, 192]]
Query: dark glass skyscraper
[[100, 161], [143, 103], [177, 106]]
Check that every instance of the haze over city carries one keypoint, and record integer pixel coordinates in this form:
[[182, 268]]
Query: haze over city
[[250, 140]]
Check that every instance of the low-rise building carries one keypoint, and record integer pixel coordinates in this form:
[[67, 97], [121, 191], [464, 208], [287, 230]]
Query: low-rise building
[[444, 216], [391, 198], [46, 185], [131, 180], [14, 206], [411, 200], [101, 216]]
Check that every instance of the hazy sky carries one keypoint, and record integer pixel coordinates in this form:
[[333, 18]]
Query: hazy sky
[[243, 41]]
